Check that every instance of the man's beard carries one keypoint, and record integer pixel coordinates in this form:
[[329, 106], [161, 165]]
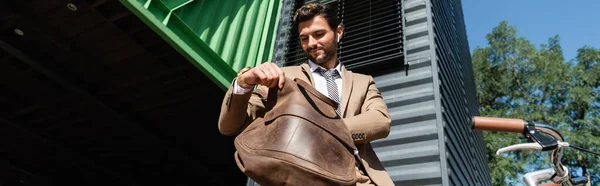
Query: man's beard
[[328, 53]]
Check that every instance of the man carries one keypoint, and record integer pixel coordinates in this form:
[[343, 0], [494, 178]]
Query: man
[[361, 105]]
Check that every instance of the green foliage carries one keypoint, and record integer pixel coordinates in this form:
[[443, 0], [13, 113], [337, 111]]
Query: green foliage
[[515, 79]]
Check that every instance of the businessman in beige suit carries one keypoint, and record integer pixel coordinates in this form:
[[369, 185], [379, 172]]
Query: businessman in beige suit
[[362, 107]]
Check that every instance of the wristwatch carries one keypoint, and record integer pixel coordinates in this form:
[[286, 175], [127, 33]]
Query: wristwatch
[[240, 81]]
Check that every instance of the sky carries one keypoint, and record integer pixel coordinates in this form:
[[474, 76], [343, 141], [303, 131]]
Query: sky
[[577, 22]]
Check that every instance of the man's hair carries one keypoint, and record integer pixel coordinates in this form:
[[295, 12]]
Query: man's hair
[[311, 10]]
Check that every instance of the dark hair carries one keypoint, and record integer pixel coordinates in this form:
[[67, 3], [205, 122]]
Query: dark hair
[[310, 10]]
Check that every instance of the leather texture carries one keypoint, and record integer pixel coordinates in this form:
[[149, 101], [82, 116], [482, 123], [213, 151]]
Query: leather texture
[[363, 110], [300, 141]]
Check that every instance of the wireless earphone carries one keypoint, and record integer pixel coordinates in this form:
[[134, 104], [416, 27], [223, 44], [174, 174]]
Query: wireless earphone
[[338, 38]]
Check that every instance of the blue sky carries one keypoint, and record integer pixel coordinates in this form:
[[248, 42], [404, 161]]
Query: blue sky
[[577, 22]]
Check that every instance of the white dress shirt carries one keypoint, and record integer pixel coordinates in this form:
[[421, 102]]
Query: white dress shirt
[[320, 81]]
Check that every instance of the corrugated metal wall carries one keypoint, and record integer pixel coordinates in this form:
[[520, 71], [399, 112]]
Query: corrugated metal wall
[[218, 36], [242, 32], [465, 151], [283, 34], [411, 153]]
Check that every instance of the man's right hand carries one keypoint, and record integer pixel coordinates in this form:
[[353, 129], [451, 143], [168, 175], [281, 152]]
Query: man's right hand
[[267, 74]]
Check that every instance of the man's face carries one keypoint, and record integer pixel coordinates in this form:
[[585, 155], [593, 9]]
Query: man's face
[[318, 40]]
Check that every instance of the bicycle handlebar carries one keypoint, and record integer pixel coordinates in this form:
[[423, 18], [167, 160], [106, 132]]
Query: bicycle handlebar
[[532, 131], [511, 125], [498, 124]]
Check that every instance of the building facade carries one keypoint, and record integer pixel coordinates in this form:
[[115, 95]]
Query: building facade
[[128, 92], [418, 54]]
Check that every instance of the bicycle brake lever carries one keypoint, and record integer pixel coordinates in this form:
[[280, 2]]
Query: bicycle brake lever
[[532, 146], [528, 146]]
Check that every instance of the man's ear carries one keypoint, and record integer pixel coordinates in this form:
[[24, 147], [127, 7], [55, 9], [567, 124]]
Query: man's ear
[[339, 31]]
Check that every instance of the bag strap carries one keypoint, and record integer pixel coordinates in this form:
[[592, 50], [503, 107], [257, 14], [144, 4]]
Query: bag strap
[[272, 97]]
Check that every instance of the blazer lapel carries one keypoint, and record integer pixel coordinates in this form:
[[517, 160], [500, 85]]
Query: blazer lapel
[[307, 73], [347, 83]]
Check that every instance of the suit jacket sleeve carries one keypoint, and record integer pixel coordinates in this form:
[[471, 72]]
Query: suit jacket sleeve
[[238, 111], [374, 121]]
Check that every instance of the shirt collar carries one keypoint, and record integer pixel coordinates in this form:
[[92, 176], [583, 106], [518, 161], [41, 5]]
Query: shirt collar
[[313, 66]]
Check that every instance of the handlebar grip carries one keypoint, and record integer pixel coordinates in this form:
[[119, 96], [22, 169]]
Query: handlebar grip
[[498, 124]]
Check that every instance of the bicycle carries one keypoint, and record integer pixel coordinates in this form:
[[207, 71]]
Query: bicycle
[[543, 138]]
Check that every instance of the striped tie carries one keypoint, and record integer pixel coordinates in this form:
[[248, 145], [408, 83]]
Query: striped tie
[[332, 88]]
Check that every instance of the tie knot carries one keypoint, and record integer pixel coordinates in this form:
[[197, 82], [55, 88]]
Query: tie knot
[[329, 74]]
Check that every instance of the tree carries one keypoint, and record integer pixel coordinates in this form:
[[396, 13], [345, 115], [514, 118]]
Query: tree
[[515, 79]]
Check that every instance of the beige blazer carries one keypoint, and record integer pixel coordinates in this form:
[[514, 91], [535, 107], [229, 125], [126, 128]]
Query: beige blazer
[[363, 110]]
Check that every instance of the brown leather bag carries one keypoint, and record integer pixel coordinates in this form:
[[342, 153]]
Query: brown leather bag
[[300, 141]]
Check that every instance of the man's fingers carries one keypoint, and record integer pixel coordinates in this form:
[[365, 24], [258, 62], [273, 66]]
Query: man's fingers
[[272, 83], [267, 79], [281, 77], [363, 179], [269, 74], [274, 74], [272, 68], [261, 76]]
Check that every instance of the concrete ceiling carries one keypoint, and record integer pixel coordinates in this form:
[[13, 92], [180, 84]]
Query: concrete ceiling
[[89, 95]]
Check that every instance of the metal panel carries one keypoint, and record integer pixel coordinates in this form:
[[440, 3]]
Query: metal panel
[[464, 147], [373, 33], [411, 153], [241, 32], [219, 37], [283, 31]]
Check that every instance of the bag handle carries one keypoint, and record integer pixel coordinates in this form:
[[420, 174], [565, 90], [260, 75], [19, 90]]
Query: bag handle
[[272, 94], [272, 97], [316, 93]]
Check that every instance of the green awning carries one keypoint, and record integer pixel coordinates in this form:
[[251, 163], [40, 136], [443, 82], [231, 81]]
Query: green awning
[[217, 36]]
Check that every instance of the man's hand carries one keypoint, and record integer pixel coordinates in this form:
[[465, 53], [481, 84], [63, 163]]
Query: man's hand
[[361, 178], [267, 74]]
